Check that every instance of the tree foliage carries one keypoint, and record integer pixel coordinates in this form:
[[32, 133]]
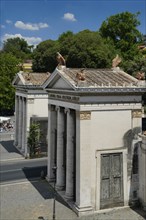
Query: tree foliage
[[44, 56], [17, 47], [14, 51], [84, 49], [122, 30], [8, 69]]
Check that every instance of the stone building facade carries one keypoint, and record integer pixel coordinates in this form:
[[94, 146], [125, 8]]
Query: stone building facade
[[94, 121], [30, 105]]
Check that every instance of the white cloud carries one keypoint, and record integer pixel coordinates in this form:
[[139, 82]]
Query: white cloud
[[3, 26], [69, 17], [30, 26], [8, 21], [30, 40], [43, 25]]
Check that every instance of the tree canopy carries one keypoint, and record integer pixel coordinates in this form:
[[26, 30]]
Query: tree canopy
[[18, 47], [84, 49], [122, 29], [8, 69]]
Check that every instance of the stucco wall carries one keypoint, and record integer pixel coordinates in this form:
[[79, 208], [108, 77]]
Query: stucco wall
[[108, 128]]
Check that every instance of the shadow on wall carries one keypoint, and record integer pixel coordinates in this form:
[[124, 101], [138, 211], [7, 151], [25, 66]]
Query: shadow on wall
[[132, 143], [128, 138]]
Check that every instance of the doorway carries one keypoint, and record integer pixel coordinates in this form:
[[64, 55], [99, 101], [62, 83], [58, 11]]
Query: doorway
[[111, 194]]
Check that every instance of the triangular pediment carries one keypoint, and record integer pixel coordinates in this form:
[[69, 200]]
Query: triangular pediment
[[58, 82], [61, 84], [18, 80]]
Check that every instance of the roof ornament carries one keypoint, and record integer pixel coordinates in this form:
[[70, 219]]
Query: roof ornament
[[116, 61], [80, 75], [140, 76], [60, 60]]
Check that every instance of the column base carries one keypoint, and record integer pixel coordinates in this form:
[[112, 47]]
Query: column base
[[49, 179], [59, 188], [68, 196], [80, 211]]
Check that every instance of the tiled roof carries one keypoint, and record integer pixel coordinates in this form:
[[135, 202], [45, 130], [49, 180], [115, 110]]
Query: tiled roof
[[99, 77], [35, 78]]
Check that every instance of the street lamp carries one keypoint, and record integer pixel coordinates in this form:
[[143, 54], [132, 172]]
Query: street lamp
[[54, 171]]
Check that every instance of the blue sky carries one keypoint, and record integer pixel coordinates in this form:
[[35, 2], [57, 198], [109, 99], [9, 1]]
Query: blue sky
[[40, 20]]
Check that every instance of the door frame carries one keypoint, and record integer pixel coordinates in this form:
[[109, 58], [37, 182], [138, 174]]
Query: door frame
[[126, 183]]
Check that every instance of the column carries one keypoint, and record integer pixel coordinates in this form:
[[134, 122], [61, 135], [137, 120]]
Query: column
[[52, 123], [60, 177], [19, 123], [70, 154], [142, 172], [26, 134], [16, 119], [23, 122]]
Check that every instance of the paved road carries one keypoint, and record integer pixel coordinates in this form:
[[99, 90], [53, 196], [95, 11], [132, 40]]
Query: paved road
[[22, 169]]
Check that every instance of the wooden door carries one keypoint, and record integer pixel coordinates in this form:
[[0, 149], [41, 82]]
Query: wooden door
[[111, 194]]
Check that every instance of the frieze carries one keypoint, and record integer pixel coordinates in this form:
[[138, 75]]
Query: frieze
[[137, 114], [64, 97], [85, 115]]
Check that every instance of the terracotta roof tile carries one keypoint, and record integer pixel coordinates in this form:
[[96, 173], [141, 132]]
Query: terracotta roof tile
[[99, 77], [35, 78]]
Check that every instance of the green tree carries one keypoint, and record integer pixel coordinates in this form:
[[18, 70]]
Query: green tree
[[122, 29], [44, 56], [17, 47], [33, 139], [88, 49], [8, 69], [84, 49]]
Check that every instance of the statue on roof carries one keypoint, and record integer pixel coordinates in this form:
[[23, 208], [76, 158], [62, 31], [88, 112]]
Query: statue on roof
[[140, 76], [60, 59], [116, 61], [80, 75]]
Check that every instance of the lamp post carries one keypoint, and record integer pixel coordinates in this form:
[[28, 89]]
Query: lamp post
[[54, 171]]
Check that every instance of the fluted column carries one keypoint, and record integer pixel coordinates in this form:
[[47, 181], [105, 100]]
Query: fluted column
[[25, 127], [16, 119], [60, 177], [52, 123], [70, 154], [23, 123], [19, 123], [142, 172]]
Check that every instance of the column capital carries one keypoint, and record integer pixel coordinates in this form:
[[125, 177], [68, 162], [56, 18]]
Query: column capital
[[57, 108], [51, 107], [67, 110]]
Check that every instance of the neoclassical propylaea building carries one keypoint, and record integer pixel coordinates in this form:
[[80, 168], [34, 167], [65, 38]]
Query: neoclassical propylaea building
[[31, 104], [94, 122]]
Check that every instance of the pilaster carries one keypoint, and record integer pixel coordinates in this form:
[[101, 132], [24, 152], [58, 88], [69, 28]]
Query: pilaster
[[83, 163]]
